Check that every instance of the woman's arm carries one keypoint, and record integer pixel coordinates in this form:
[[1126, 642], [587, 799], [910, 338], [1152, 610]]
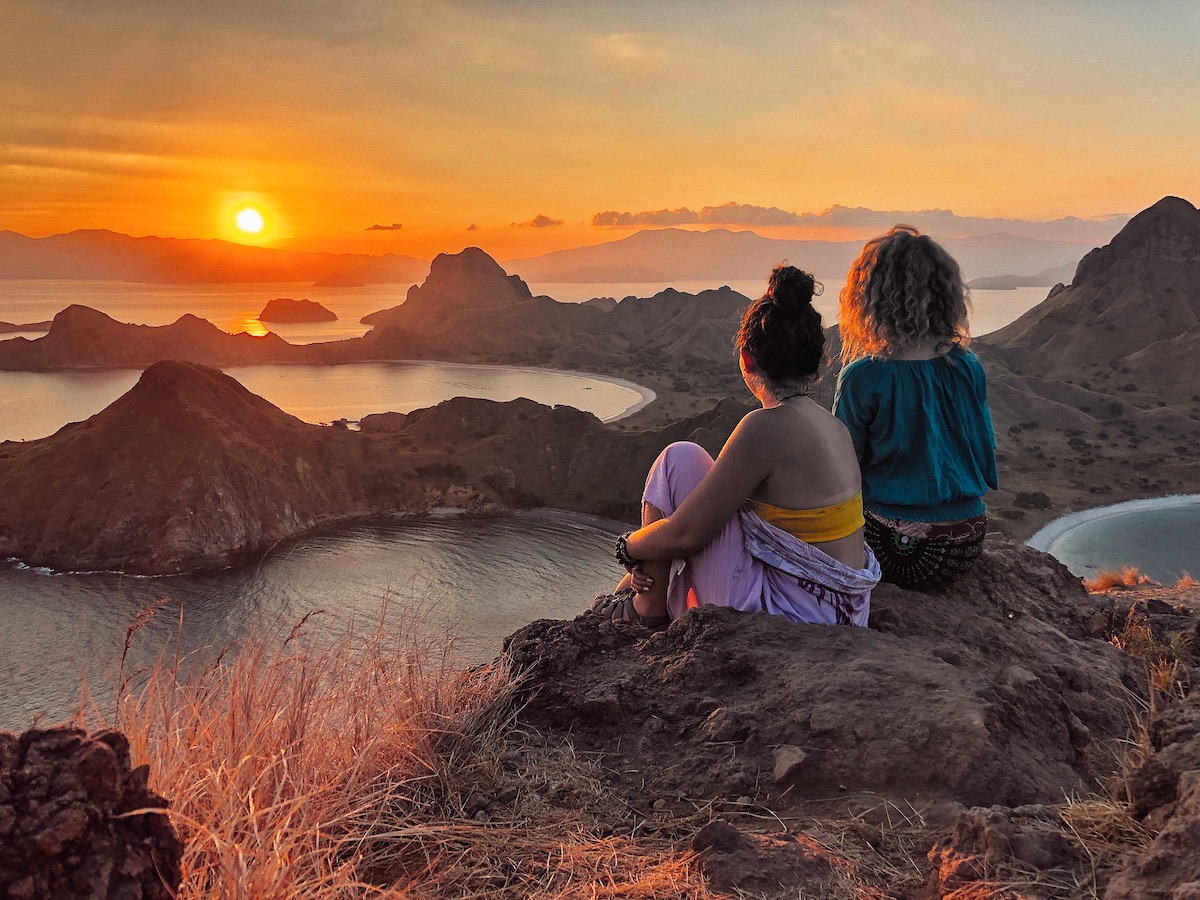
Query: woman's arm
[[744, 463], [854, 409]]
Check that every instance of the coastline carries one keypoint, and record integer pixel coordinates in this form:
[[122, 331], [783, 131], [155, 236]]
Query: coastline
[[1048, 535], [647, 396]]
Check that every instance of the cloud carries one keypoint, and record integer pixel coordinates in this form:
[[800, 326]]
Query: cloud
[[725, 214], [395, 226], [681, 216], [865, 222], [472, 227], [747, 214], [631, 51], [540, 221]]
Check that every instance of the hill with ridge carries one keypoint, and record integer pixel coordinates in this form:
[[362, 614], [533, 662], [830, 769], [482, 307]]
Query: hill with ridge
[[1130, 320], [675, 254], [100, 255]]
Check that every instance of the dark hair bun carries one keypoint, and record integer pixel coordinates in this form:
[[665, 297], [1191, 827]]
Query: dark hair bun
[[791, 288], [782, 329]]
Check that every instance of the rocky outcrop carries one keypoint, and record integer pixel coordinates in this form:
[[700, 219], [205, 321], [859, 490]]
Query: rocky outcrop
[[470, 310], [287, 309], [77, 821], [969, 742], [467, 280], [994, 690], [1170, 868]]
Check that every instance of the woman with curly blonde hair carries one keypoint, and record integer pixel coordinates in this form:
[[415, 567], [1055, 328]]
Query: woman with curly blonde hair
[[914, 399]]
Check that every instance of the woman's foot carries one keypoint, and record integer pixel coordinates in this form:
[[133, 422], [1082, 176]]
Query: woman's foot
[[619, 608]]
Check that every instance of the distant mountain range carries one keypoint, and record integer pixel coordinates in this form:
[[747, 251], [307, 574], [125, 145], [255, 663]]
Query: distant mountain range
[[99, 255], [671, 254], [653, 255]]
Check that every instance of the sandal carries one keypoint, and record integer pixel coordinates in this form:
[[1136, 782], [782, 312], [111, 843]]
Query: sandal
[[618, 608]]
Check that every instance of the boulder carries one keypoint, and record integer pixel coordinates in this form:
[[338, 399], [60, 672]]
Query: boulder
[[74, 820]]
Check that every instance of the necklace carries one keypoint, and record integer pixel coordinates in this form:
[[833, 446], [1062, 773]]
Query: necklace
[[803, 393]]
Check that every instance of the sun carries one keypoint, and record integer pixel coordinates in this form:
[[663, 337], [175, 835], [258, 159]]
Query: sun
[[249, 220]]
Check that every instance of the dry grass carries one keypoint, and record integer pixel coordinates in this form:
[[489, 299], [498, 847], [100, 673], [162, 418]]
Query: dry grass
[[1164, 668], [884, 848], [367, 767], [1103, 830], [1186, 581], [1107, 579]]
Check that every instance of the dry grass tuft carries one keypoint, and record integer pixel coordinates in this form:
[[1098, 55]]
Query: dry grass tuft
[[1107, 579], [1164, 668], [351, 768], [884, 848], [1186, 581], [1104, 830]]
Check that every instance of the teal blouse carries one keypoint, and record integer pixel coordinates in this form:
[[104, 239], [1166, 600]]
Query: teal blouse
[[922, 433]]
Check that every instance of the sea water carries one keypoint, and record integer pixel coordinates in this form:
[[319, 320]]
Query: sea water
[[469, 581], [37, 404], [1160, 537]]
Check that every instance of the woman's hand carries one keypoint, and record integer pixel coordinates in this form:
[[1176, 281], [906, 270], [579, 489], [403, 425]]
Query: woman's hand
[[640, 580]]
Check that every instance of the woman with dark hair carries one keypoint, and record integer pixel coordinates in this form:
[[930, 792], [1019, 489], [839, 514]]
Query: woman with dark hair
[[915, 402], [775, 523]]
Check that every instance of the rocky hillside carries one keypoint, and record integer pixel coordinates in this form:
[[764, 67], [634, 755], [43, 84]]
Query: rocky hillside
[[1130, 316], [1093, 391], [974, 737], [471, 310]]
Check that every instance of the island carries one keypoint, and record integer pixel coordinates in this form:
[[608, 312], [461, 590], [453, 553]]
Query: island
[[285, 309]]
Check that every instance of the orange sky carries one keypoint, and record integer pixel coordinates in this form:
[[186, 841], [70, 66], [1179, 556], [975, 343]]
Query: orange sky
[[526, 119]]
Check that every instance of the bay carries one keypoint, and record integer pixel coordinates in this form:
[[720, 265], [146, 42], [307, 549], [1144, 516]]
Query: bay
[[469, 582], [37, 404], [1160, 537]]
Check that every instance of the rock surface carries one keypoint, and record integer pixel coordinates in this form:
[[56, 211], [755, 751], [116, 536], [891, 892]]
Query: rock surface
[[68, 826], [994, 690], [963, 745], [1140, 296], [1170, 868]]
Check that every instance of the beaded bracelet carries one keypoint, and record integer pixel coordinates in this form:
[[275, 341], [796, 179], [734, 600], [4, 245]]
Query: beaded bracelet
[[622, 554]]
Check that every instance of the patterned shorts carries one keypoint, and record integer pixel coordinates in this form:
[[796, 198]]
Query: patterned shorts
[[922, 554]]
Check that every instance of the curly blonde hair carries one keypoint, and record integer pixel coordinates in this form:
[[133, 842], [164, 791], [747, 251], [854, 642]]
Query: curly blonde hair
[[902, 290]]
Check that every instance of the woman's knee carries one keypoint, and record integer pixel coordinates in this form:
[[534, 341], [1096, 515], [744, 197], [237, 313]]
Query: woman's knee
[[679, 468], [685, 456]]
